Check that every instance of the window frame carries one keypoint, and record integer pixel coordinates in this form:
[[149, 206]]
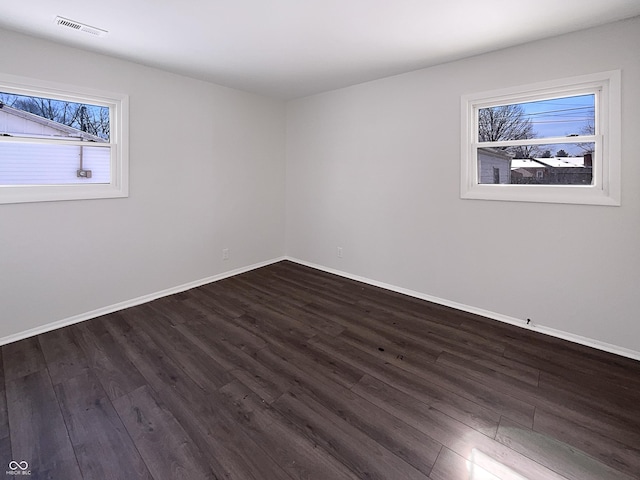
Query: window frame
[[605, 188], [118, 105]]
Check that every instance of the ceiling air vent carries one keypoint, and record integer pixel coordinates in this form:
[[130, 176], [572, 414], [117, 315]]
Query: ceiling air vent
[[80, 27]]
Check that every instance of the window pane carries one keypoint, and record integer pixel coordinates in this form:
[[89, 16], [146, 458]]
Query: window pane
[[558, 117], [563, 164], [22, 115], [47, 164]]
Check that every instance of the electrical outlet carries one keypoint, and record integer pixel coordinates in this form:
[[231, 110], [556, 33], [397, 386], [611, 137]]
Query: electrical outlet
[[339, 252], [225, 254]]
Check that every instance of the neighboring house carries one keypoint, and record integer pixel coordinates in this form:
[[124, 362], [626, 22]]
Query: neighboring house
[[26, 162], [494, 166], [569, 170], [528, 170], [553, 170]]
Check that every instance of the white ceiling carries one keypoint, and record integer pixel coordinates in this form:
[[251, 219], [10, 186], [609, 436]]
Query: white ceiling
[[292, 48]]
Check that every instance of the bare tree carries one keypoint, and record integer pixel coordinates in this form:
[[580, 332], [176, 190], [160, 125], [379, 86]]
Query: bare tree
[[507, 122], [524, 151], [588, 129], [7, 99], [87, 118]]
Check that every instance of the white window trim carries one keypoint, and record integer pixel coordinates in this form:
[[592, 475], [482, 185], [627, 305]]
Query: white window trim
[[119, 131], [607, 162]]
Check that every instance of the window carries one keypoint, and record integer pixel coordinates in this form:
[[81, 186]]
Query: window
[[559, 141], [61, 142]]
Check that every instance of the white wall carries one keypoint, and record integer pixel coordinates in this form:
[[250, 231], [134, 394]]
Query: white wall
[[206, 173], [375, 169]]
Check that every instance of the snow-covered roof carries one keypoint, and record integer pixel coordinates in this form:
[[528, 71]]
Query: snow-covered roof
[[562, 161], [525, 163], [556, 162]]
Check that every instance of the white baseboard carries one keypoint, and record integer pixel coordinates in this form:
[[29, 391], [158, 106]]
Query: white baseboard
[[589, 342], [131, 303], [625, 352]]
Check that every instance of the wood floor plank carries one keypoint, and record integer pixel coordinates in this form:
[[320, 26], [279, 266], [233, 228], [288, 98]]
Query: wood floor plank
[[269, 329], [613, 453], [4, 418], [363, 455], [165, 447], [5, 451], [5, 440], [22, 358], [408, 358], [576, 406], [301, 313], [597, 389], [427, 336], [231, 453], [114, 370], [63, 355], [451, 433], [208, 374], [242, 298], [432, 322], [190, 404], [268, 384], [219, 304], [565, 362], [269, 318], [329, 286], [494, 366], [555, 454], [103, 447], [411, 445], [603, 415], [314, 363], [389, 346], [451, 466], [468, 412], [224, 329], [173, 307], [594, 396], [267, 290], [295, 453], [38, 431], [150, 360]]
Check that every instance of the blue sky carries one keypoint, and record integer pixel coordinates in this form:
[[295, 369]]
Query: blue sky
[[561, 116]]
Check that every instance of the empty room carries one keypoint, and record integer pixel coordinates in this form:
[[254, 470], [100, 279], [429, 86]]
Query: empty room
[[315, 239]]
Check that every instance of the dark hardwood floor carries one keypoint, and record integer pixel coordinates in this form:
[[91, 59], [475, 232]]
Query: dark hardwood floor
[[286, 372]]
